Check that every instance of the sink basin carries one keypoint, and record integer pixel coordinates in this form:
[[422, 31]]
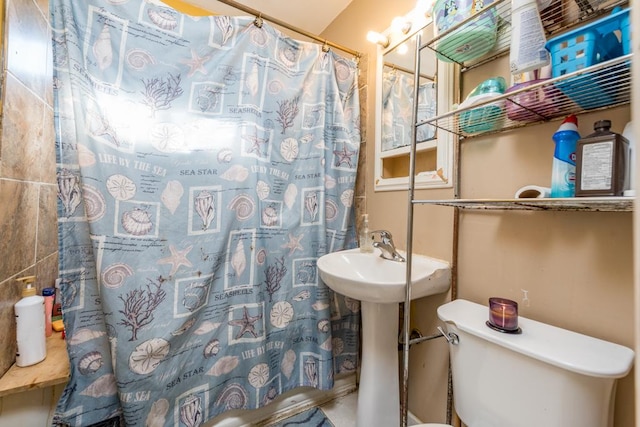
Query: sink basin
[[380, 285], [369, 277]]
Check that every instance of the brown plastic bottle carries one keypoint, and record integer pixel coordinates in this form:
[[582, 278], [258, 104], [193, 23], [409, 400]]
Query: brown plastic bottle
[[600, 162]]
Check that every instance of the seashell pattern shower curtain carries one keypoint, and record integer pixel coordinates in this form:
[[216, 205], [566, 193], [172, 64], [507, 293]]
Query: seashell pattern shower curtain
[[397, 109], [204, 164]]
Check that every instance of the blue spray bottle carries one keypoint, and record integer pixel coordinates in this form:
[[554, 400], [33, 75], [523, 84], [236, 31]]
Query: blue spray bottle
[[563, 178]]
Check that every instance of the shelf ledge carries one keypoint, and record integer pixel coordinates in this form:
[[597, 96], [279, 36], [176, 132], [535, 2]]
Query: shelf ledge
[[53, 370], [588, 204]]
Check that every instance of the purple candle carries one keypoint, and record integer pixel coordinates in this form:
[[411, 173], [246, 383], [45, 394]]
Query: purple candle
[[503, 313]]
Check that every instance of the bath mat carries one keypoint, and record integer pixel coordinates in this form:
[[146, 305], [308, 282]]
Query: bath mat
[[313, 417]]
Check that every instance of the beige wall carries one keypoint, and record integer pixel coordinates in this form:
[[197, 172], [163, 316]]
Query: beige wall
[[575, 269]]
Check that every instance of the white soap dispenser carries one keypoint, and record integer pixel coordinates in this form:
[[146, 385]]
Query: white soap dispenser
[[365, 236], [30, 321]]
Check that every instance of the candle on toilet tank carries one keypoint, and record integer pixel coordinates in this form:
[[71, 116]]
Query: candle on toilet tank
[[503, 313]]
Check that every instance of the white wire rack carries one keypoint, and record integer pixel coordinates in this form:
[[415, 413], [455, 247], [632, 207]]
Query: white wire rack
[[558, 17], [601, 86]]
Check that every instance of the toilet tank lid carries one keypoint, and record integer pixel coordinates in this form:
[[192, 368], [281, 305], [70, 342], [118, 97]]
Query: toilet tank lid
[[560, 347]]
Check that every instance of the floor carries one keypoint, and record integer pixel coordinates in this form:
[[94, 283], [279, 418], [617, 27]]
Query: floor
[[342, 412]]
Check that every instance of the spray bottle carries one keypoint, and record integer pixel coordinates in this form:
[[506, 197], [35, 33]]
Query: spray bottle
[[30, 320], [563, 178]]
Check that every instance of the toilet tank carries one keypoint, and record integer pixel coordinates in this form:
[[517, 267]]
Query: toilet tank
[[544, 376]]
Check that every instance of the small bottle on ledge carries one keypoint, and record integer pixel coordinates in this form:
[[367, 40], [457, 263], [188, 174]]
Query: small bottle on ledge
[[365, 236]]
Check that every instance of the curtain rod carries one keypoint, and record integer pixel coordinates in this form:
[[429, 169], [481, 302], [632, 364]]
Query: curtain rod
[[260, 15], [406, 70]]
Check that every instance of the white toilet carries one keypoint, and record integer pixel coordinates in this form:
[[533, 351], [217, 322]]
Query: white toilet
[[545, 376]]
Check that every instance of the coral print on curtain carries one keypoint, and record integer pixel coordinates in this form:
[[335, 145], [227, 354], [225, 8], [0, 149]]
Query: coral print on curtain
[[204, 164], [397, 109]]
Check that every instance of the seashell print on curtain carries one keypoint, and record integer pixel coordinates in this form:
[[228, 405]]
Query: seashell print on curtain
[[204, 165]]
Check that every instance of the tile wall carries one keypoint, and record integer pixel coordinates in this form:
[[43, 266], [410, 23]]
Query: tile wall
[[360, 201], [28, 230]]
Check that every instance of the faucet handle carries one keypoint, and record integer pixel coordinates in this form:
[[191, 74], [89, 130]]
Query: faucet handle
[[386, 246], [384, 235]]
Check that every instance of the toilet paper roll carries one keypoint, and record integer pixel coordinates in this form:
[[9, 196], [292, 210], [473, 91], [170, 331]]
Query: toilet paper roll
[[533, 192]]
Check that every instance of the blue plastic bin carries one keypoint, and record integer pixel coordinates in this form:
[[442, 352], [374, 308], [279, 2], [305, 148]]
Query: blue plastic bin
[[602, 40]]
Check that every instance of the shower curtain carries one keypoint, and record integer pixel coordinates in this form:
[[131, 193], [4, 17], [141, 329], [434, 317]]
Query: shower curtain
[[204, 164], [397, 109]]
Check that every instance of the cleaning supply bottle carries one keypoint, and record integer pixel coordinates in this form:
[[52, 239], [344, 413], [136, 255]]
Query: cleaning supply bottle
[[365, 236], [601, 162], [30, 321], [49, 295], [563, 177], [528, 41]]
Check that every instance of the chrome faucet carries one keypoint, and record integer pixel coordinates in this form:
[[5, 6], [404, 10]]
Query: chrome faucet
[[383, 240]]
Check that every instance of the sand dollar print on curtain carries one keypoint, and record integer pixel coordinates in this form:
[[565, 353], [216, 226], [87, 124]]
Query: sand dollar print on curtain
[[204, 164]]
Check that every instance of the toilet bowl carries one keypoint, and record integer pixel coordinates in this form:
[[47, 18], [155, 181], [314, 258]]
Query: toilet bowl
[[543, 376]]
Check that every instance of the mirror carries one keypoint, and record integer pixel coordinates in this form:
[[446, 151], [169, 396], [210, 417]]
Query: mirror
[[395, 79]]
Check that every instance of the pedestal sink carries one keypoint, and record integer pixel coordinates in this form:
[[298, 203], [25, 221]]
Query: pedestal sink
[[380, 285]]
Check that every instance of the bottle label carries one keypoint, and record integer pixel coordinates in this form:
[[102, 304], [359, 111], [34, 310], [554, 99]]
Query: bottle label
[[566, 153], [528, 41], [597, 166], [563, 182]]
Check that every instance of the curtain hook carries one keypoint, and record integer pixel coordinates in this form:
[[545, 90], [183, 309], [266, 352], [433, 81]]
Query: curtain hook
[[325, 47], [258, 21]]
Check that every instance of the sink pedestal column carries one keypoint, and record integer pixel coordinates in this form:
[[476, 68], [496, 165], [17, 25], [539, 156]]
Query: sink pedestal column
[[379, 390]]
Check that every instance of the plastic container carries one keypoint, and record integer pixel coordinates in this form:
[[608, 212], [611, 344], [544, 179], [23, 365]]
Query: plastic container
[[365, 236], [474, 39], [49, 295], [489, 116], [57, 306], [528, 41], [601, 159], [563, 174], [599, 41], [630, 177], [30, 321], [535, 104]]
